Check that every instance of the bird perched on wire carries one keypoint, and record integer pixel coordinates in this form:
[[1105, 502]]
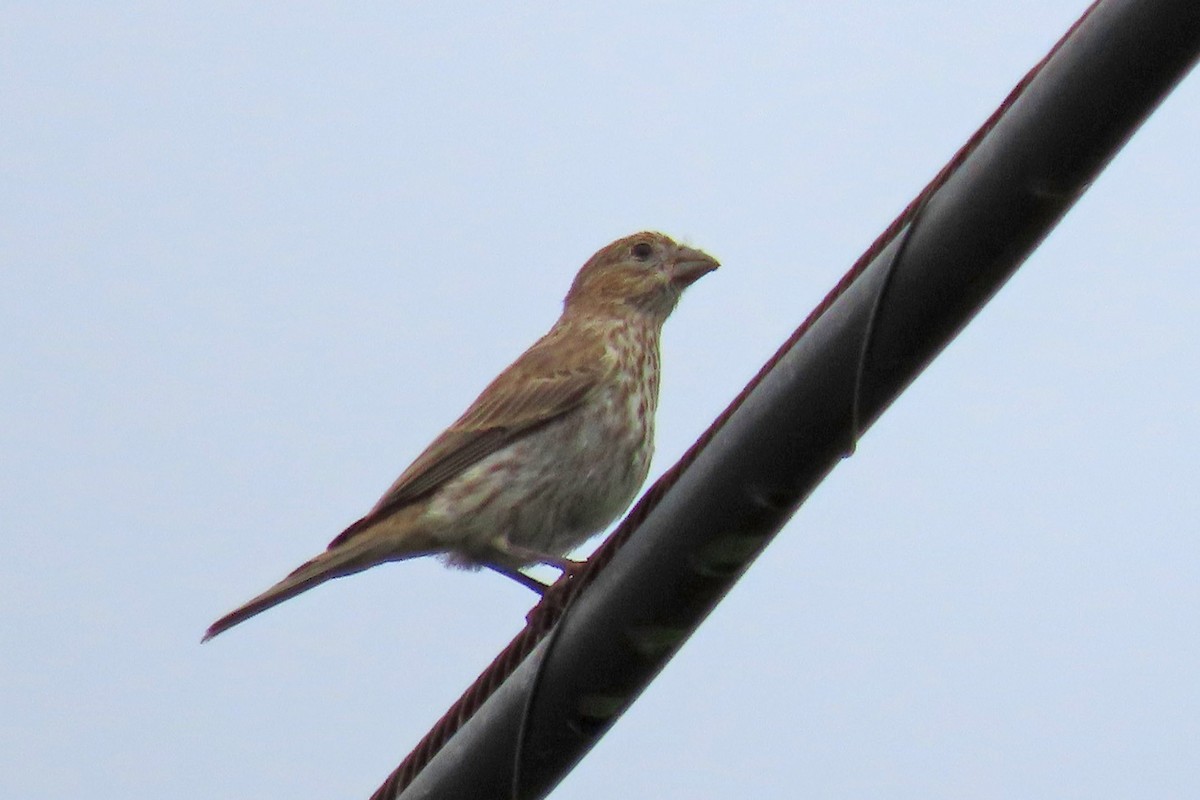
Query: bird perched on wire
[[548, 455]]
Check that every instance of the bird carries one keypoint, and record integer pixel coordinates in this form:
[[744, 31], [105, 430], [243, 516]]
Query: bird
[[548, 455]]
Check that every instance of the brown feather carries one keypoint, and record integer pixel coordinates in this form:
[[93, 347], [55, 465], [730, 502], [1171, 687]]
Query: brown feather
[[548, 380]]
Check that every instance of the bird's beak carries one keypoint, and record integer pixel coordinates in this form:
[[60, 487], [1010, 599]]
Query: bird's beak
[[688, 265]]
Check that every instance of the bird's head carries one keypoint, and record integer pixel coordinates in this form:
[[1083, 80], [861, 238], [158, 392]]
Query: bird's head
[[644, 273]]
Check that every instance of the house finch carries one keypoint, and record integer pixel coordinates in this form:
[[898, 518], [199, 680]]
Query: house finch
[[549, 454]]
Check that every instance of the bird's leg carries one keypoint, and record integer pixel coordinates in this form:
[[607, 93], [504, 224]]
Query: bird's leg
[[525, 555], [528, 581]]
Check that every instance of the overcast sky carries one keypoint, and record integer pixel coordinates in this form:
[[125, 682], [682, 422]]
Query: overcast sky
[[256, 257]]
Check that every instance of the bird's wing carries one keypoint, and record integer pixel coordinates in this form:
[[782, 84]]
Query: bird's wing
[[548, 380]]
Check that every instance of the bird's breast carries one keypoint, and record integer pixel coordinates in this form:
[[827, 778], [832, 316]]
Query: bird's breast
[[555, 487]]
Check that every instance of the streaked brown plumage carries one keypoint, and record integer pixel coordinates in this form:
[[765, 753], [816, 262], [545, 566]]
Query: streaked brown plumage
[[549, 454]]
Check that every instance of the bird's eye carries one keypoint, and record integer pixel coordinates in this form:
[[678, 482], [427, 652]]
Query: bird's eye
[[642, 250]]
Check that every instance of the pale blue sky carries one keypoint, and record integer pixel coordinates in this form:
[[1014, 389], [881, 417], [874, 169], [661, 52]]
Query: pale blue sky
[[254, 259]]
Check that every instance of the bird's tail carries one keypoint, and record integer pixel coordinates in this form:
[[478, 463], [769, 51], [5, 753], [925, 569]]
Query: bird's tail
[[354, 555]]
